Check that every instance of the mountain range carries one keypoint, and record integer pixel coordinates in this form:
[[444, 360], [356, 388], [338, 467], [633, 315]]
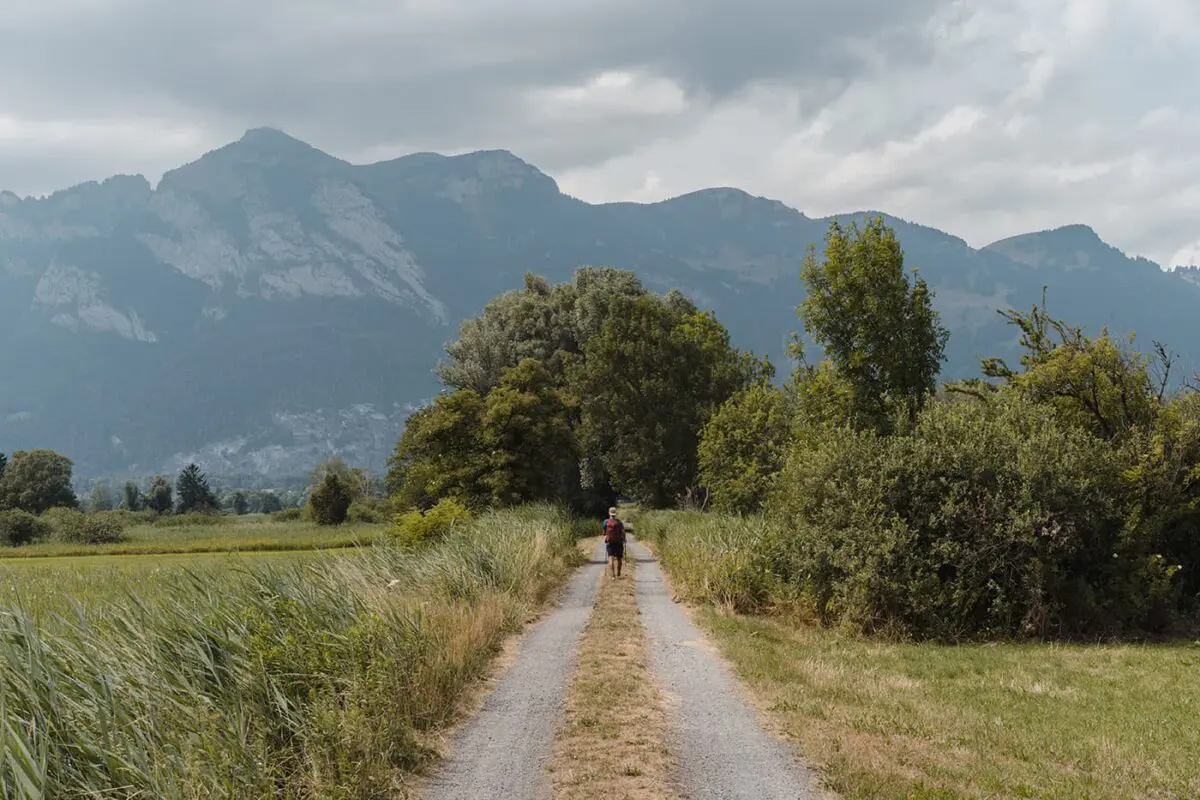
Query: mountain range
[[269, 305]]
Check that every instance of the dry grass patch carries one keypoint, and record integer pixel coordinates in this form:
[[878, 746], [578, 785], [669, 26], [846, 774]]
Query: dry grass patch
[[884, 721], [613, 743]]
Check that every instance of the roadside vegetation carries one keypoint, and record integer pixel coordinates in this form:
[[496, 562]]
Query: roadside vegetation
[[905, 550], [892, 717], [981, 589], [321, 677]]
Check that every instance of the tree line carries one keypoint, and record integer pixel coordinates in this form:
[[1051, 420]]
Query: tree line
[[1057, 497]]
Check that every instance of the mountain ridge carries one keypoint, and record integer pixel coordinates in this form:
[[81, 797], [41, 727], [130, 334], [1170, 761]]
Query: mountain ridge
[[267, 304]]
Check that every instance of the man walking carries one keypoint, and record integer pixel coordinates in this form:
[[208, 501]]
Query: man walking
[[614, 542]]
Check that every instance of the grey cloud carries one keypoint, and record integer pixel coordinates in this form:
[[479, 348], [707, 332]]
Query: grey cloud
[[447, 74]]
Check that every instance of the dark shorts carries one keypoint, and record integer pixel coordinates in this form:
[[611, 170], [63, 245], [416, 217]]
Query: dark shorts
[[615, 549]]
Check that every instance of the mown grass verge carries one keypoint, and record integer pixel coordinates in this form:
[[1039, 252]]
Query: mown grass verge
[[613, 742], [292, 678], [892, 719]]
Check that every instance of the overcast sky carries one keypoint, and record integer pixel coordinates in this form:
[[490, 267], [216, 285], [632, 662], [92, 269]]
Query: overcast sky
[[1025, 115]]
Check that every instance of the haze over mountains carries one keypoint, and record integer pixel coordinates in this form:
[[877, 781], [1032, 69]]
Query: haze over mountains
[[269, 305]]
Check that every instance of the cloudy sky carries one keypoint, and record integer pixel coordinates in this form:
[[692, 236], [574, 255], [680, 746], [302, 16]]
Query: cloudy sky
[[985, 118]]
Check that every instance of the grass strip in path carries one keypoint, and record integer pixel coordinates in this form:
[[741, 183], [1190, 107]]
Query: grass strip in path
[[613, 743]]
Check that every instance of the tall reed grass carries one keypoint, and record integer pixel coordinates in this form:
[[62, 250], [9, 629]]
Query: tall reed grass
[[740, 563], [322, 678]]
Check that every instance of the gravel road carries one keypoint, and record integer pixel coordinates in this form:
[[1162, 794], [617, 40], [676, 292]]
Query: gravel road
[[503, 750], [719, 746]]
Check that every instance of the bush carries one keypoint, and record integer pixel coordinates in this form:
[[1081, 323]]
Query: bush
[[74, 527], [290, 515], [416, 527], [329, 503], [20, 527], [369, 510], [741, 448], [990, 519]]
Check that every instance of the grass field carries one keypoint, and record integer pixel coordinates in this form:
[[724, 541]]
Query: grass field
[[891, 720], [912, 721], [227, 534], [43, 586], [253, 674]]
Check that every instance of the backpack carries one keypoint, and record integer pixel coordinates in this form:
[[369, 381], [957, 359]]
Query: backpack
[[614, 530]]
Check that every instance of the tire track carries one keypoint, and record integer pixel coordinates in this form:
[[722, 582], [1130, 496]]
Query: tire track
[[722, 751], [503, 750]]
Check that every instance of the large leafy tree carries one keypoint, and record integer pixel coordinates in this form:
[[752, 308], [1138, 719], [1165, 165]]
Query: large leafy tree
[[439, 454], [512, 446], [526, 433], [649, 381], [572, 392], [742, 448], [877, 326], [549, 324], [193, 491], [36, 480]]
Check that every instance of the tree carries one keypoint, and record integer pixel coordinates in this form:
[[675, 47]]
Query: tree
[[271, 503], [193, 491], [240, 505], [36, 480], [132, 497], [356, 480], [526, 432], [101, 498], [440, 454], [880, 330], [649, 381], [1100, 384], [3, 463], [330, 501], [742, 448], [549, 324], [159, 499]]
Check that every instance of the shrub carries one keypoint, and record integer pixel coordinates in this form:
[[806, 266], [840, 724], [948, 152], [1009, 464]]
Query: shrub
[[416, 527], [990, 519], [369, 510], [20, 527], [290, 514], [74, 527], [329, 503]]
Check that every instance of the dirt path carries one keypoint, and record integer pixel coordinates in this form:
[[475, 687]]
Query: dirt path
[[721, 749], [503, 750]]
